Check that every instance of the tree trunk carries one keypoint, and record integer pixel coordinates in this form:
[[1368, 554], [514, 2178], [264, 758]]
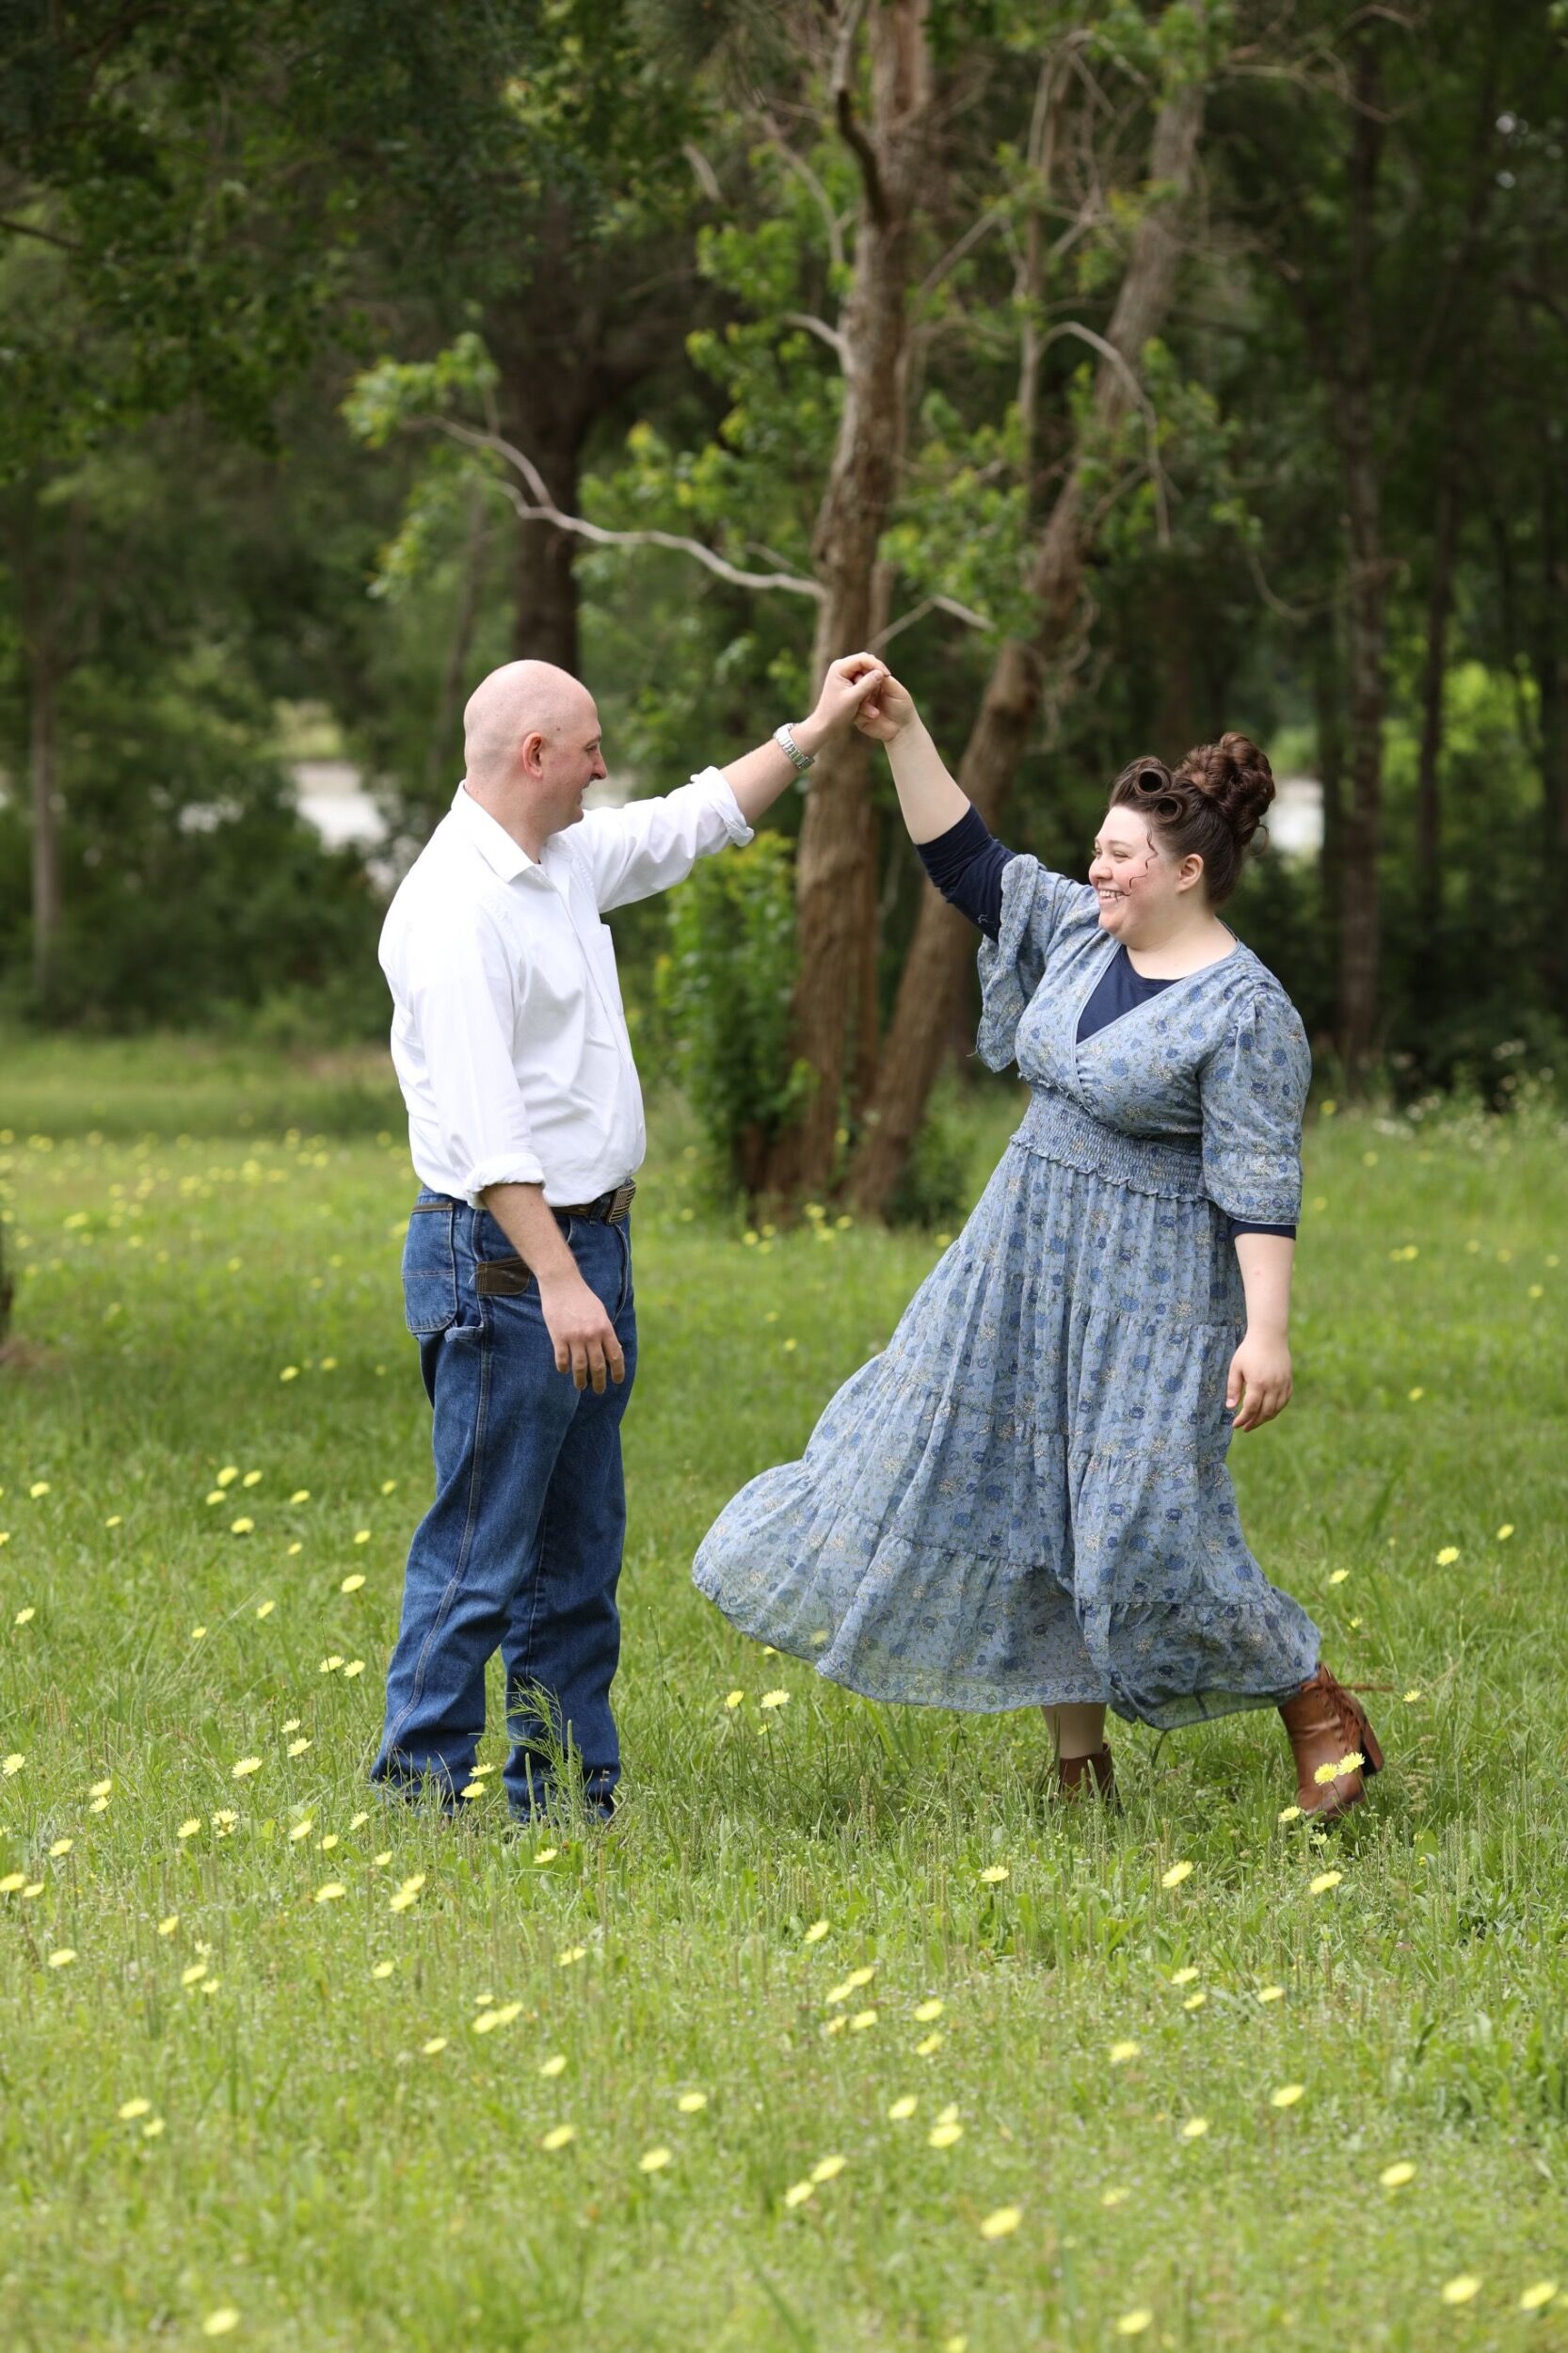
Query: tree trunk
[[43, 717], [1428, 843], [836, 840], [1550, 664], [544, 610], [445, 747], [943, 939], [1329, 721], [1366, 588]]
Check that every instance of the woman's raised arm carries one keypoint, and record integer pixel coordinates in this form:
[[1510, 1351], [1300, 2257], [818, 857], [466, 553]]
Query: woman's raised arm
[[931, 802]]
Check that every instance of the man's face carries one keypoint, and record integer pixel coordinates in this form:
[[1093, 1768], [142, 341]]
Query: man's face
[[563, 764]]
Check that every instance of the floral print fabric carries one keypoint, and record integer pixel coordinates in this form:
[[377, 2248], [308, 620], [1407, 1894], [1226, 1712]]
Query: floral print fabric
[[1025, 1497]]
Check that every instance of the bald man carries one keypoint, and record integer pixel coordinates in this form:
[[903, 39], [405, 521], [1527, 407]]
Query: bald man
[[525, 1125]]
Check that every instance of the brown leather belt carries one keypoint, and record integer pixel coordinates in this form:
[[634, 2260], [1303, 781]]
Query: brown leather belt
[[510, 1277]]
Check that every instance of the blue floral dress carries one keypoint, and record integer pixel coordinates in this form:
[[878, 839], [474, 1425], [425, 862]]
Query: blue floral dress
[[1024, 1499]]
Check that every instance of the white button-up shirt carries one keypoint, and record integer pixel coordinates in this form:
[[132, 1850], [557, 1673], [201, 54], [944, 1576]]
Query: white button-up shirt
[[508, 1034]]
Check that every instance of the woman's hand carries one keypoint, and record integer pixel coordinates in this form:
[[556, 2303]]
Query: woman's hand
[[1261, 1368], [886, 711]]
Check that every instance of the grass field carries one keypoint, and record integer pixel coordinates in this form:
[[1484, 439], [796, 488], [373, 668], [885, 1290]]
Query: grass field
[[276, 2065]]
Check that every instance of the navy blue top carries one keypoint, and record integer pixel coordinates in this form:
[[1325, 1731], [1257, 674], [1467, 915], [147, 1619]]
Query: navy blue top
[[966, 864]]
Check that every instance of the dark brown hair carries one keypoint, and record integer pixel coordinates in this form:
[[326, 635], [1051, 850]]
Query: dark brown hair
[[1210, 805]]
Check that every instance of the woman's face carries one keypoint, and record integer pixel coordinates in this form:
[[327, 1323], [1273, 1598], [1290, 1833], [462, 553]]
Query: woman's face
[[1133, 877]]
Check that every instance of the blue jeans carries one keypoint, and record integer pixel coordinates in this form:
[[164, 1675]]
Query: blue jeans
[[520, 1550]]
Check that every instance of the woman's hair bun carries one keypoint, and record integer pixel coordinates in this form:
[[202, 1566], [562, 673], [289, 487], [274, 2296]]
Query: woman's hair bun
[[1236, 776]]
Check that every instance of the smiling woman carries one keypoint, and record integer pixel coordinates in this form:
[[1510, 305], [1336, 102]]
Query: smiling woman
[[1025, 1498]]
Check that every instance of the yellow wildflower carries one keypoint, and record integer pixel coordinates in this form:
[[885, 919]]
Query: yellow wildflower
[[129, 2110], [1178, 1872], [1540, 2292], [926, 2011], [814, 1934], [994, 1874], [559, 2137], [351, 1584], [1461, 2289], [903, 2109], [654, 2160], [1122, 2052], [330, 1892], [828, 2169], [219, 2323], [1396, 2176], [1002, 2222], [245, 1768], [1287, 2096]]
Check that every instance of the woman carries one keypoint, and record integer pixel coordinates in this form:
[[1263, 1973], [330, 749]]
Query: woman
[[1024, 1499]]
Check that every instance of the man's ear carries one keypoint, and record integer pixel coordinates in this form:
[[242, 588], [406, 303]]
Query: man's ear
[[532, 744]]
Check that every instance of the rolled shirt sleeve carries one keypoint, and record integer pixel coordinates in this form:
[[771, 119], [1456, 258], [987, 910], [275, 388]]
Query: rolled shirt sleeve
[[1253, 1089], [460, 995], [647, 845]]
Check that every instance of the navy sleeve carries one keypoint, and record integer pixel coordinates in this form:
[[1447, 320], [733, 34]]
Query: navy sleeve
[[966, 864], [1239, 1225]]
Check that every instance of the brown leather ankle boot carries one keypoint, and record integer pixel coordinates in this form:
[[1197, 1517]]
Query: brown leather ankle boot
[[1335, 1747], [1080, 1777]]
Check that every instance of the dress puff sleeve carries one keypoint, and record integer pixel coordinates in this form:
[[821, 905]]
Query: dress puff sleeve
[[1034, 903], [1253, 1090]]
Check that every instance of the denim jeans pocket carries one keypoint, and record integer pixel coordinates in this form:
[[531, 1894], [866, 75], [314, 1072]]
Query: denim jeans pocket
[[430, 1270]]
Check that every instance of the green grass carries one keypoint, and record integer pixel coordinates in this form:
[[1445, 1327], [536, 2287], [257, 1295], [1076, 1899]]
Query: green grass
[[324, 2174]]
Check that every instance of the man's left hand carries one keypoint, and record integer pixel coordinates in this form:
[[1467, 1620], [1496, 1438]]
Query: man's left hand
[[848, 682]]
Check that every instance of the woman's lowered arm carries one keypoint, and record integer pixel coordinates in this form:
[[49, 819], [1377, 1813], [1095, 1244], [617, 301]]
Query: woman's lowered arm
[[931, 802]]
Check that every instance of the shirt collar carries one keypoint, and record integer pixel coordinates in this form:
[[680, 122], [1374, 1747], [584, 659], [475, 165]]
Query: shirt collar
[[491, 840]]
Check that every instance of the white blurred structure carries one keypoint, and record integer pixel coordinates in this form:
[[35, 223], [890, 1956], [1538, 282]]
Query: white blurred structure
[[332, 796], [1295, 821]]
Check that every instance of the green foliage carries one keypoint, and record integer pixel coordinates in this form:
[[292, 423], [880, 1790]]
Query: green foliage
[[724, 988]]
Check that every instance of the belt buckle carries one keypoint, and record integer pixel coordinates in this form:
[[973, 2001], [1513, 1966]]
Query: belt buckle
[[620, 1201]]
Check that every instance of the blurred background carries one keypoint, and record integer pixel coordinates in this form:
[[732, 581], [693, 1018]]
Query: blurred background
[[1127, 372]]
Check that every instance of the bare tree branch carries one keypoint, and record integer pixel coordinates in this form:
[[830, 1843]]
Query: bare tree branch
[[917, 613], [820, 327], [849, 126], [540, 507], [1145, 409]]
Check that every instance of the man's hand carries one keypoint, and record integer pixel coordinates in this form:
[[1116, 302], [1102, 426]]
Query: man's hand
[[584, 1338], [886, 711], [848, 682], [1261, 1366]]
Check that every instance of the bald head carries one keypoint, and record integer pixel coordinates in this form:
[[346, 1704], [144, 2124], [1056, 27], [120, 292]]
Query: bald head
[[521, 699]]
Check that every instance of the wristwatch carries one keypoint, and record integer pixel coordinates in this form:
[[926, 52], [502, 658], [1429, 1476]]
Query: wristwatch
[[785, 742]]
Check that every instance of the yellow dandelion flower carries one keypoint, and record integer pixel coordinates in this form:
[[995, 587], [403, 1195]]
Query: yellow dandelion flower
[[115, 1519], [1448, 1555], [241, 1527], [290, 1372], [1505, 1531], [1539, 2292], [559, 2137], [383, 1859], [1194, 2001], [34, 1887], [1122, 2052], [300, 1495], [12, 1881], [691, 2103], [330, 1892], [298, 1748], [1412, 1696], [1114, 2197], [168, 1925], [1002, 2223], [228, 1475], [928, 2049], [383, 1969], [1461, 2289], [1415, 1394], [437, 2043], [291, 1549], [301, 1829], [129, 2110], [926, 2011], [949, 2114], [828, 2169], [903, 2109], [213, 1496], [472, 1789], [861, 2020], [362, 1535], [24, 1617], [13, 1764], [944, 2136], [1270, 1993], [358, 1821], [251, 1479], [1325, 1881], [1134, 2322], [547, 1854], [1183, 1977], [63, 1957], [265, 1609], [351, 1584], [555, 2065], [655, 2160], [814, 1934], [573, 1953], [243, 1769], [995, 1873], [189, 1828], [774, 1699], [199, 1634], [1195, 2128], [61, 1846], [799, 2192], [1287, 2096], [1173, 1877], [330, 1664], [154, 2126], [224, 1820], [388, 1487], [99, 1805], [39, 1487], [1337, 1576], [1396, 2176], [404, 1899], [219, 2323], [732, 1699], [101, 1789], [355, 1667]]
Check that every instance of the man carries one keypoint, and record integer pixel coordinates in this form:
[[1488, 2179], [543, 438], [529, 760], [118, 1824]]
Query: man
[[525, 1125]]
